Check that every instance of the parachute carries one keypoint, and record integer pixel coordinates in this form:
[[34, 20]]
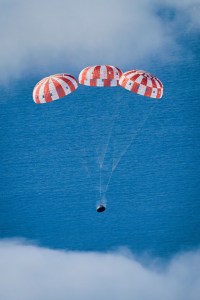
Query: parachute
[[101, 76], [142, 83], [54, 87], [139, 82]]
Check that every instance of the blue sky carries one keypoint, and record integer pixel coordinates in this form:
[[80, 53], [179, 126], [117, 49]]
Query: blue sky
[[39, 38]]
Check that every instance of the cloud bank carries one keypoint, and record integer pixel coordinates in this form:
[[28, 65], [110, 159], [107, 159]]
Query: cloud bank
[[31, 272], [59, 35]]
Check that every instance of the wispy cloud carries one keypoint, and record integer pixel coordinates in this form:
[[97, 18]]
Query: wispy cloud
[[31, 272], [41, 34]]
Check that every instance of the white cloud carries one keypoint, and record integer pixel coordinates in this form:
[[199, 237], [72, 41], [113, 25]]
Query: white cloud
[[59, 35], [31, 272]]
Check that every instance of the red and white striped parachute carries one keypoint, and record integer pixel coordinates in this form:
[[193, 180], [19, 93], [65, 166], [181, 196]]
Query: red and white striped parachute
[[54, 87], [142, 83], [103, 75]]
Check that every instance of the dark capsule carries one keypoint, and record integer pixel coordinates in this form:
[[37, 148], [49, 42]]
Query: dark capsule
[[100, 208]]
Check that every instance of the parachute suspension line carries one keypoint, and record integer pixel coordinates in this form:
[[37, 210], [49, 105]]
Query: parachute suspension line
[[85, 163], [110, 176], [100, 183], [98, 158], [126, 149], [107, 185], [110, 133], [100, 175], [101, 163], [133, 138]]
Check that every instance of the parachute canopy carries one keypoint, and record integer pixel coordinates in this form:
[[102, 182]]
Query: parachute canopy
[[100, 76], [142, 83], [54, 87]]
